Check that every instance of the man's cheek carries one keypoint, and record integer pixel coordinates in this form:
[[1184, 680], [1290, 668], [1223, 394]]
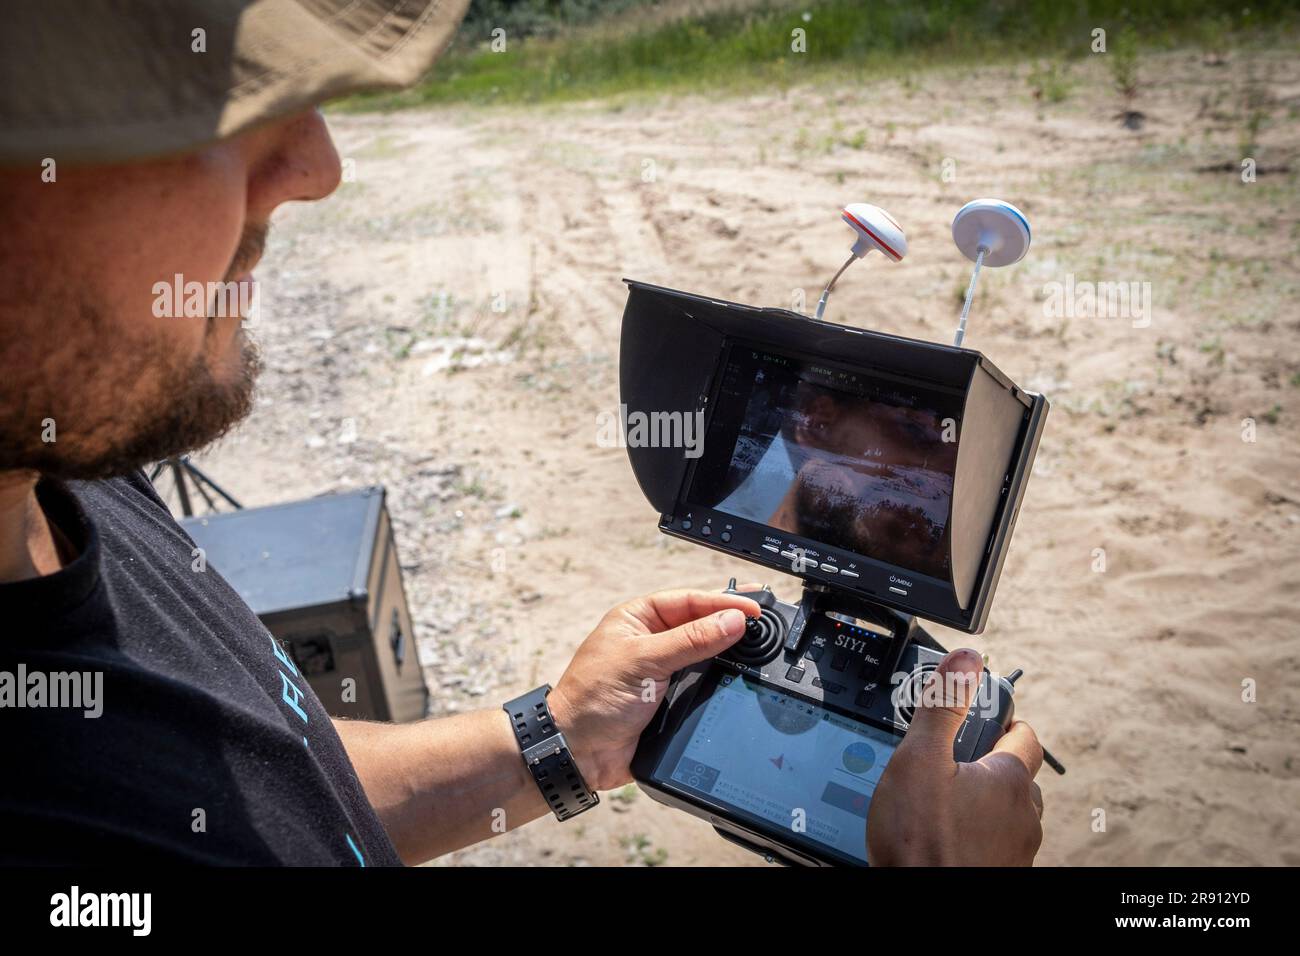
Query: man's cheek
[[164, 292], [170, 311]]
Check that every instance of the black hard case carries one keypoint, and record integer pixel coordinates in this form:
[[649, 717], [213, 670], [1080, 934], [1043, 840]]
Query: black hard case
[[323, 575]]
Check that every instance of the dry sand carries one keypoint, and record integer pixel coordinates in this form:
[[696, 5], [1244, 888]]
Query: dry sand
[[387, 362]]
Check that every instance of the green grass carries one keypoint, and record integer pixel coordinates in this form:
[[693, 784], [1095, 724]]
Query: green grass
[[855, 39]]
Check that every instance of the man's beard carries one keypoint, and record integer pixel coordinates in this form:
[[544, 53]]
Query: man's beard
[[102, 431], [85, 398], [201, 410]]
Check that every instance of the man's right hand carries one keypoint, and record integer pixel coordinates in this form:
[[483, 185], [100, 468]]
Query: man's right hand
[[930, 810]]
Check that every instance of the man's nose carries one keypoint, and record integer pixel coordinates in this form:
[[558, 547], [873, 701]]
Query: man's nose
[[304, 167]]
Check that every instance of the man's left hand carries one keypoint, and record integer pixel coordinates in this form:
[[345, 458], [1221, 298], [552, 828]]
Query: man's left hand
[[612, 687]]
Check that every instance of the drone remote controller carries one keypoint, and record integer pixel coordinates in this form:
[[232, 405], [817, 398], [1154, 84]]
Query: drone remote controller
[[781, 739], [872, 669], [886, 473]]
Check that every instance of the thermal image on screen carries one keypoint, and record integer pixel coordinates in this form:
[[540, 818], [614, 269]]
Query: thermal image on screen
[[851, 461]]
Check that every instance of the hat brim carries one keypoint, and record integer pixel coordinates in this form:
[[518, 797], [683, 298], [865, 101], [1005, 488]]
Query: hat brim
[[80, 83]]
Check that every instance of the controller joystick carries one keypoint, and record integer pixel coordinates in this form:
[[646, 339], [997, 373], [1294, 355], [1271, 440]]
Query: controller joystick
[[761, 641], [763, 634]]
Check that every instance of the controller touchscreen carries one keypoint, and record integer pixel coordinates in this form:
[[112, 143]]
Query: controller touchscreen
[[771, 755], [847, 459]]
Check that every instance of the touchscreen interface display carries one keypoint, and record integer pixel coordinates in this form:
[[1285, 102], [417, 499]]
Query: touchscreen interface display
[[785, 761]]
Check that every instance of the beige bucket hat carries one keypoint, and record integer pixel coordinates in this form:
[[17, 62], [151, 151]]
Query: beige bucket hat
[[98, 81]]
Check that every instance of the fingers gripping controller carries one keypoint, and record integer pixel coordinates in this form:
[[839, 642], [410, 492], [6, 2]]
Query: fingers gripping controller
[[990, 707], [882, 680]]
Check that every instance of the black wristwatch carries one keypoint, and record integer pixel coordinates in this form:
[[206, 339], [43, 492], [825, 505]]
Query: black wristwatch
[[546, 755]]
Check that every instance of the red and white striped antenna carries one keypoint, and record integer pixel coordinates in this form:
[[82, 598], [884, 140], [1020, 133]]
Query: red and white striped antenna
[[876, 229]]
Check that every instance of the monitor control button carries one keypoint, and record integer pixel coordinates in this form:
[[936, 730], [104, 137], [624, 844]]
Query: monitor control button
[[771, 547], [831, 568], [790, 555], [849, 574], [898, 590], [706, 531], [864, 698], [794, 674], [686, 524], [724, 537]]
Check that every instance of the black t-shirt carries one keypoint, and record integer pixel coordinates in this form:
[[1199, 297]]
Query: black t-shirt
[[209, 745]]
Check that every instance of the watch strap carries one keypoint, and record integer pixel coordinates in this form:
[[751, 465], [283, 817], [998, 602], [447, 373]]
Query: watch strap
[[546, 755]]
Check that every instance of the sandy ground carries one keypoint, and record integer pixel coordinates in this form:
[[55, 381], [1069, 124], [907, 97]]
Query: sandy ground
[[448, 324]]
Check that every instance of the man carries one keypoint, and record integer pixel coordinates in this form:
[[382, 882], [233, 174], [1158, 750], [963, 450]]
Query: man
[[156, 141]]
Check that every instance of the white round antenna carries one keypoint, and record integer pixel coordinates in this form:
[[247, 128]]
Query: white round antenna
[[989, 232], [876, 229]]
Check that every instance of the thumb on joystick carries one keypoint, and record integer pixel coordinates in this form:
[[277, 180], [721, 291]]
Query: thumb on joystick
[[945, 698]]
